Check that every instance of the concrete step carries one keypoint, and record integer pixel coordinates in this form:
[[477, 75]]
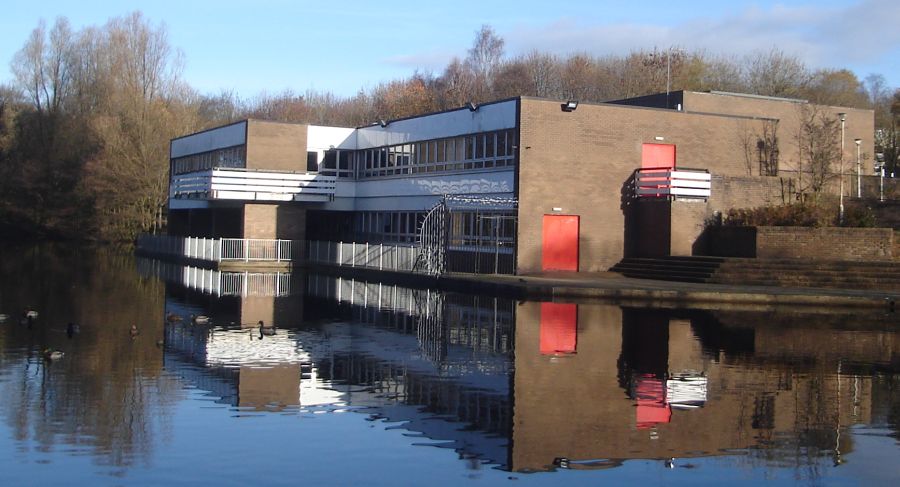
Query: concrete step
[[881, 276], [682, 269], [803, 281], [793, 263], [809, 272]]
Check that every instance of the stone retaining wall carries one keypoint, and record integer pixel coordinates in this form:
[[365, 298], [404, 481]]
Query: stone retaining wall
[[850, 244]]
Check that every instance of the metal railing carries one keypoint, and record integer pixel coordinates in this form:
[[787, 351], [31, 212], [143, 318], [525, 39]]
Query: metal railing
[[377, 256], [254, 249], [253, 185], [222, 249], [666, 182]]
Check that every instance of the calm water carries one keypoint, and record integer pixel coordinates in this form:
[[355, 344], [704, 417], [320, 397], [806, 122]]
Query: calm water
[[379, 385]]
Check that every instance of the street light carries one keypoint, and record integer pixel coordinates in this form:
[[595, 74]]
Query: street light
[[841, 210], [858, 170]]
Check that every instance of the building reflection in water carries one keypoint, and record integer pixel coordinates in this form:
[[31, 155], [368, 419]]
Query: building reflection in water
[[592, 384]]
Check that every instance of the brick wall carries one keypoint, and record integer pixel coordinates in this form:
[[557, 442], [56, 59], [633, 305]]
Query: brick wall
[[274, 221], [276, 146], [688, 223], [851, 244], [859, 123], [581, 161]]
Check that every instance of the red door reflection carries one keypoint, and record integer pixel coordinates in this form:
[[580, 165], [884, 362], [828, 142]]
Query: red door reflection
[[559, 328]]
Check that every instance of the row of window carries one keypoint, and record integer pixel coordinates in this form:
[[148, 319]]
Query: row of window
[[467, 228], [228, 157], [388, 226], [475, 151]]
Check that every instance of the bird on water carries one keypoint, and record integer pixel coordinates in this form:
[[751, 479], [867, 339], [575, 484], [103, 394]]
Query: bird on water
[[51, 354]]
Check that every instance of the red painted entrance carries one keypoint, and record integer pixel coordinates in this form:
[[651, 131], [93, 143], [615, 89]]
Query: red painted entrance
[[559, 328], [658, 156], [560, 249]]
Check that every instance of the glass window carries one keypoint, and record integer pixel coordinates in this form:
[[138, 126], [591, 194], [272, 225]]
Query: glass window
[[441, 152]]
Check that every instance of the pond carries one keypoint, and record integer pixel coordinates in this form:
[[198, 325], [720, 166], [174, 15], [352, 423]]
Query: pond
[[349, 382]]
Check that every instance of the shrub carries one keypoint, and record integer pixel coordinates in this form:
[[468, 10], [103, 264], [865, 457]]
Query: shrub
[[799, 215]]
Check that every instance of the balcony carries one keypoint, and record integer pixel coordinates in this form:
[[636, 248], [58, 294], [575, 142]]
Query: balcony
[[252, 185], [672, 183]]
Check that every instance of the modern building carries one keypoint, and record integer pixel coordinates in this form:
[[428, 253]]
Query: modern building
[[518, 185]]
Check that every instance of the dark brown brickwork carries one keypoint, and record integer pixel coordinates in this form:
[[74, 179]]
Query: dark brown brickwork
[[848, 244], [556, 414], [859, 123], [274, 221], [688, 221], [276, 146], [581, 162]]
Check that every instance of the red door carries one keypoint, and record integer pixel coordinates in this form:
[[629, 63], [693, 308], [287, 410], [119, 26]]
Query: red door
[[658, 156], [560, 248]]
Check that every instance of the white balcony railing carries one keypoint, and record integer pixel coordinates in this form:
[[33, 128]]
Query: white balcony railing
[[252, 185], [667, 182], [222, 249]]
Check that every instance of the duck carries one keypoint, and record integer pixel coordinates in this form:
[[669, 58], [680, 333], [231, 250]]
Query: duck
[[134, 331], [173, 318], [200, 319], [3, 318], [50, 354], [28, 317], [265, 329]]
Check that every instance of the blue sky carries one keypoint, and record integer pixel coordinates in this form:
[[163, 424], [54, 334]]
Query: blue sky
[[342, 46]]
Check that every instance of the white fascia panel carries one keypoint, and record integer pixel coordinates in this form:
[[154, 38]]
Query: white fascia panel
[[495, 116], [218, 138], [320, 138], [493, 182]]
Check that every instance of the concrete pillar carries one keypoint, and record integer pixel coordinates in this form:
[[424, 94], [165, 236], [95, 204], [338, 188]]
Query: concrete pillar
[[285, 222]]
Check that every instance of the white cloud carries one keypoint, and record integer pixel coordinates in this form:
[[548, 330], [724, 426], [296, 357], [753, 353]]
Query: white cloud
[[865, 32], [432, 60]]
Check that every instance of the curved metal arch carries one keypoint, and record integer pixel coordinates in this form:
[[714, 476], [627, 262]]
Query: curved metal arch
[[434, 233], [432, 257]]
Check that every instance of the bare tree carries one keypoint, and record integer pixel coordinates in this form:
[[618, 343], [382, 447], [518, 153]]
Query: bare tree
[[774, 73], [543, 69], [128, 179], [819, 142], [484, 58]]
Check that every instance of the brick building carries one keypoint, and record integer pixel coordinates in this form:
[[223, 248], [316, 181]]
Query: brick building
[[534, 184]]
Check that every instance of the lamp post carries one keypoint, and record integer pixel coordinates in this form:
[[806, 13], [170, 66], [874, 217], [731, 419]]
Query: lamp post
[[858, 170], [843, 117]]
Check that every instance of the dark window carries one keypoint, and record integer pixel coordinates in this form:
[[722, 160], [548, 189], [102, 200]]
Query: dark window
[[330, 159], [312, 161]]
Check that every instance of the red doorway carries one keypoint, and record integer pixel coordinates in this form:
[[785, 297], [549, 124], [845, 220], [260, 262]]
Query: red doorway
[[560, 244], [657, 156]]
